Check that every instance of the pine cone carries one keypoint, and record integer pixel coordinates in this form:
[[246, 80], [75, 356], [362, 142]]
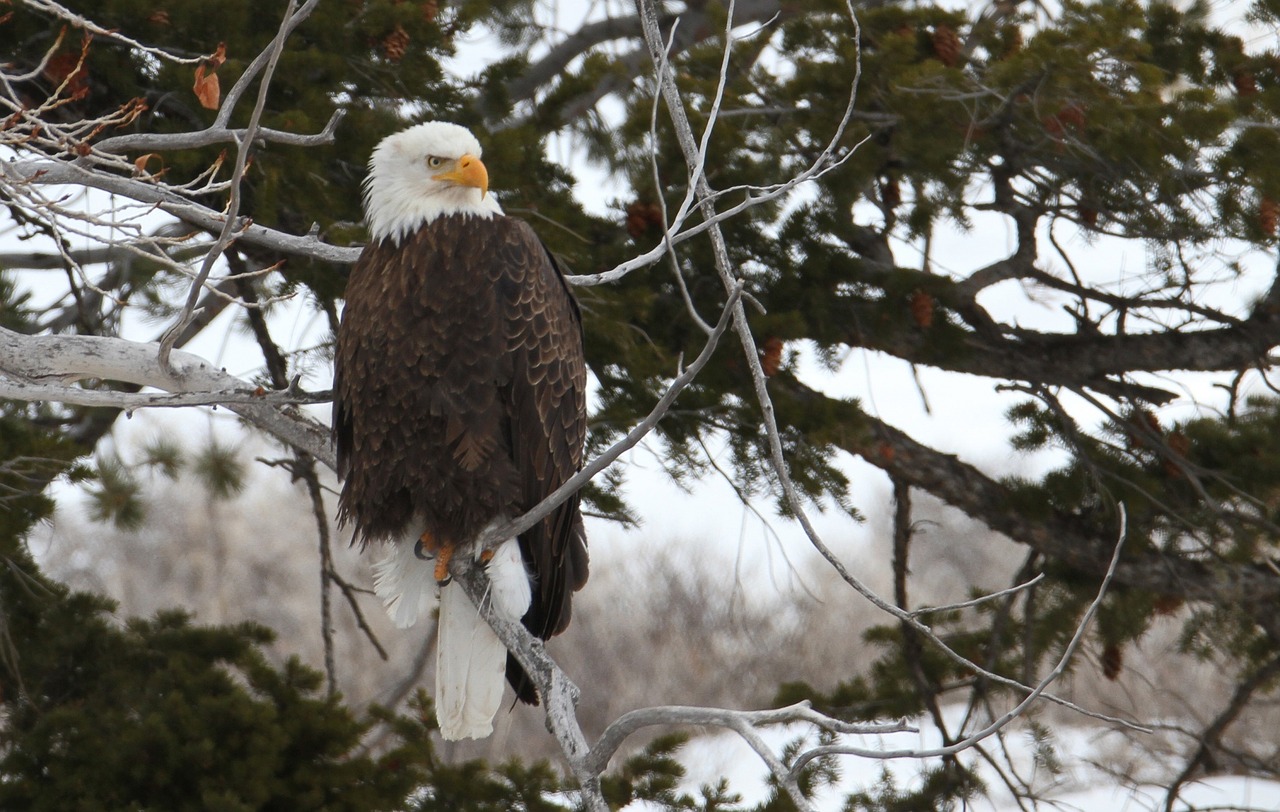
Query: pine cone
[[641, 217], [1112, 661], [947, 46], [1167, 604], [1012, 41], [890, 191], [771, 356], [1268, 216], [1246, 83], [1179, 444], [1136, 436], [395, 43], [921, 304]]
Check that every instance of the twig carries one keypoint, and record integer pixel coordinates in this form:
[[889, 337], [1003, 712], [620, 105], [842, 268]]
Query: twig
[[88, 25], [349, 591], [159, 142], [305, 467], [1015, 712], [46, 172], [1213, 733], [684, 136], [243, 147], [981, 599], [243, 393]]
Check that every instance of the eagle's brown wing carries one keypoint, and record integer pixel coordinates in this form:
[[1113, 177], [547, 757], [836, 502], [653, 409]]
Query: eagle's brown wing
[[546, 402]]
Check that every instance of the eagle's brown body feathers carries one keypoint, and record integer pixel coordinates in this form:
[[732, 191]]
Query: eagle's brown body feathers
[[459, 398]]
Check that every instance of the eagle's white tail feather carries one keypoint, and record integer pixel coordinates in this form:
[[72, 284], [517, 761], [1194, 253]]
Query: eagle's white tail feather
[[470, 666], [511, 588], [470, 660], [405, 584]]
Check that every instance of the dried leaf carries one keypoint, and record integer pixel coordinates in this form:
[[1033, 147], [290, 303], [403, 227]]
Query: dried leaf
[[206, 87], [140, 163], [1179, 445]]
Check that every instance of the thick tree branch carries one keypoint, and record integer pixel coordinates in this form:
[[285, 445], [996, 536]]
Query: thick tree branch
[[677, 715], [1084, 359], [37, 361], [1069, 541]]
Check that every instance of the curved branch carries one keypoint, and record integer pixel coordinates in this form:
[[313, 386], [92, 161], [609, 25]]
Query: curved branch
[[695, 27], [1062, 538], [672, 715], [27, 363], [543, 509], [160, 142]]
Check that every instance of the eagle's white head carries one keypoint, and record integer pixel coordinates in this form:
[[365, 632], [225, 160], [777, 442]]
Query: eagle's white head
[[422, 173]]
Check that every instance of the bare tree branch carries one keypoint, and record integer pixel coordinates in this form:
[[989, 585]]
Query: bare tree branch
[[28, 361], [1018, 710], [243, 147]]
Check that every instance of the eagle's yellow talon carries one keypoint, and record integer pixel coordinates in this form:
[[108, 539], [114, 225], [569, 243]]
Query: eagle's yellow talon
[[442, 566]]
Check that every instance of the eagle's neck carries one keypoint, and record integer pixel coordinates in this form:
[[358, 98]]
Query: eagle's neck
[[395, 211]]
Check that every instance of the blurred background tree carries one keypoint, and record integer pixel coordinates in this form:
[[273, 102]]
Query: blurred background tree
[[1075, 204]]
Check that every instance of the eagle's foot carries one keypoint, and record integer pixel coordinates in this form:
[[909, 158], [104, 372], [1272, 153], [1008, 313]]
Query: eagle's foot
[[421, 551], [486, 556], [442, 566]]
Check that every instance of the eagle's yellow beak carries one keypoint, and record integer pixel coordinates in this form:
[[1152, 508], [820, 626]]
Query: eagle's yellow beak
[[469, 171]]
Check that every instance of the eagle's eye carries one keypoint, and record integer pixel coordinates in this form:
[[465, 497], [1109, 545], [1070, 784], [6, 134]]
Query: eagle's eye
[[434, 162]]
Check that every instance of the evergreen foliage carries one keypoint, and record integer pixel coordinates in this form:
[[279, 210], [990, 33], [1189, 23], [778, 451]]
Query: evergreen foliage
[[1143, 122]]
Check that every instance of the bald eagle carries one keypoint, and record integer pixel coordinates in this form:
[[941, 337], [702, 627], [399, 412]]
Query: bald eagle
[[459, 403]]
